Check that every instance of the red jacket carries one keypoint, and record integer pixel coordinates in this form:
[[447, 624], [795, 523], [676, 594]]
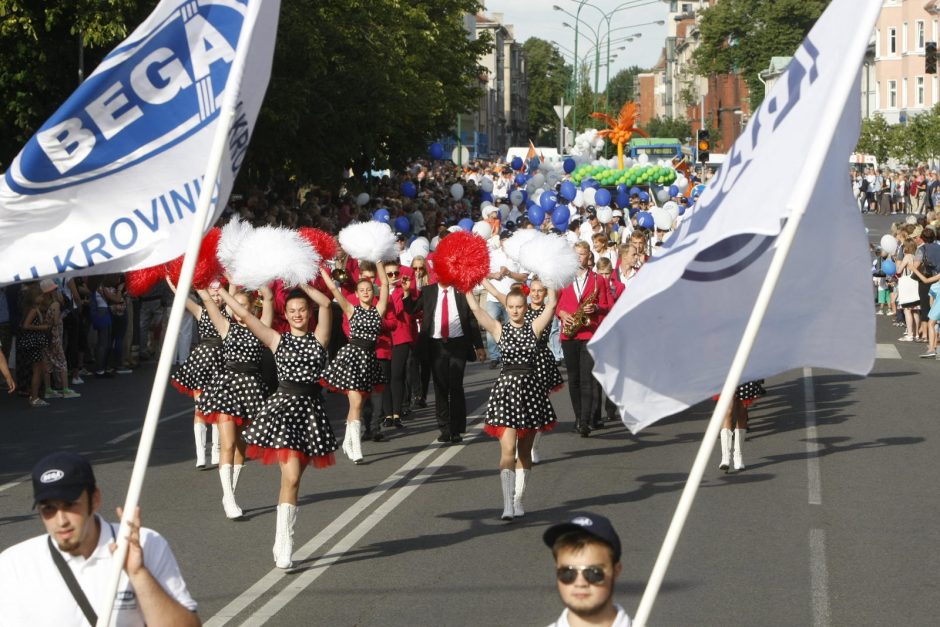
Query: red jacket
[[568, 302], [617, 286], [406, 328]]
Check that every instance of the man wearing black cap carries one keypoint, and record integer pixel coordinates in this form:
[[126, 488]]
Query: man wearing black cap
[[587, 562], [60, 578]]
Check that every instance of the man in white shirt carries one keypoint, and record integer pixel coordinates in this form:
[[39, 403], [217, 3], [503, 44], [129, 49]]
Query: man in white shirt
[[62, 577], [587, 563]]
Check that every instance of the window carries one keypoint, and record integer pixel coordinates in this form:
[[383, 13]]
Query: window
[[920, 34], [904, 38], [920, 91], [892, 94], [905, 100], [892, 41], [674, 6]]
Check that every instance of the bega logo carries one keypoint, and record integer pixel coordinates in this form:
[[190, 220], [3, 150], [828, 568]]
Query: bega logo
[[147, 96]]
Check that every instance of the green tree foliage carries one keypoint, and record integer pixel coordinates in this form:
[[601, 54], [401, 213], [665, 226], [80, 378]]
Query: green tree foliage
[[740, 36], [875, 138], [549, 79], [669, 127], [622, 87]]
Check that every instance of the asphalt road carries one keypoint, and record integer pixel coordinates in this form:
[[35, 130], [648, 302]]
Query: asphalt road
[[832, 523]]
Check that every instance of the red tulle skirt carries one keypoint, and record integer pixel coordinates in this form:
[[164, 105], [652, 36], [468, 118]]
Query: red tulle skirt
[[217, 418], [497, 432], [184, 390], [269, 456], [557, 388], [746, 403], [376, 389]]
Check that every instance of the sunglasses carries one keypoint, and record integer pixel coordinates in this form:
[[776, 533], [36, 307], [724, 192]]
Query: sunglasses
[[393, 273], [594, 575]]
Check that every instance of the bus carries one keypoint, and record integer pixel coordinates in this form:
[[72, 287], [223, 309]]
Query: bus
[[656, 148]]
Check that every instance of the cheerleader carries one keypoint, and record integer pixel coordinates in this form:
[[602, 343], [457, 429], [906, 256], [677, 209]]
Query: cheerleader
[[204, 363], [355, 371], [736, 419], [292, 428], [518, 406], [235, 395]]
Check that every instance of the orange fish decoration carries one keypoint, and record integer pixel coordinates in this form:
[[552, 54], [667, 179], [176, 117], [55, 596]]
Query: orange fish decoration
[[620, 130]]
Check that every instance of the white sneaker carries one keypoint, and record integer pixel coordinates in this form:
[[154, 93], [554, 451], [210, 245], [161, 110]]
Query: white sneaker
[[38, 402], [906, 338], [77, 381]]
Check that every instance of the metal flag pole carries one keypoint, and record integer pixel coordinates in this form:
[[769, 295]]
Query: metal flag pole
[[206, 192]]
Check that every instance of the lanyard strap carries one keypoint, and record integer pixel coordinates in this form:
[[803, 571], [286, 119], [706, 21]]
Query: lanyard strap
[[77, 593]]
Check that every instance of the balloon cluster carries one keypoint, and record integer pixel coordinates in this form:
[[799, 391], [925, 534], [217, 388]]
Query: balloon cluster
[[636, 174]]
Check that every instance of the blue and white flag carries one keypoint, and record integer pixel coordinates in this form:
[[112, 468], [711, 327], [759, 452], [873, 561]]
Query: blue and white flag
[[670, 340], [110, 181]]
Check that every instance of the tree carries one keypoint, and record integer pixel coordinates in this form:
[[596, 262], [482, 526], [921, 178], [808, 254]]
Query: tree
[[740, 36], [669, 127], [549, 79], [875, 138], [622, 87]]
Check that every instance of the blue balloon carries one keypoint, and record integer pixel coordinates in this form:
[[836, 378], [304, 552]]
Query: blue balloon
[[408, 189], [560, 217], [520, 180], [534, 163], [682, 208], [698, 189], [645, 220], [466, 224], [569, 165], [602, 198], [516, 163], [673, 191], [634, 191], [381, 215], [547, 201], [889, 267], [402, 225], [634, 211], [644, 197], [525, 196], [486, 196], [568, 191], [621, 187], [436, 150], [536, 215], [622, 199], [589, 182]]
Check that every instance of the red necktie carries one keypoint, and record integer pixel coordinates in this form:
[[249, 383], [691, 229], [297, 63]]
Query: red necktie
[[445, 327]]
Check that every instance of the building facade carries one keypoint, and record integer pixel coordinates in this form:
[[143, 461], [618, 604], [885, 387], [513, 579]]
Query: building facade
[[503, 112]]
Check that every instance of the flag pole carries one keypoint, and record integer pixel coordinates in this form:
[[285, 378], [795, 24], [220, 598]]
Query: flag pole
[[206, 192], [812, 168]]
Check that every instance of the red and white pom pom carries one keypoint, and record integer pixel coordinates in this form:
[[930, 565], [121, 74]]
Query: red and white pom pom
[[369, 241], [233, 235], [322, 242], [139, 282], [268, 253], [462, 260], [208, 268], [552, 258], [513, 246]]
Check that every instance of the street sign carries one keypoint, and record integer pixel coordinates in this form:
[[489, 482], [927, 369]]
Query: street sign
[[562, 111]]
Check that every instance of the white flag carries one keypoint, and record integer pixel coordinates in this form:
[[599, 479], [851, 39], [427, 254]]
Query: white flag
[[669, 341], [110, 181]]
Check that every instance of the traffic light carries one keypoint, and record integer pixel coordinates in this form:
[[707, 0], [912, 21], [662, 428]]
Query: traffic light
[[930, 57], [703, 145]]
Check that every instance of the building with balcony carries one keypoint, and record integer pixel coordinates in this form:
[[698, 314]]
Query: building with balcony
[[503, 113]]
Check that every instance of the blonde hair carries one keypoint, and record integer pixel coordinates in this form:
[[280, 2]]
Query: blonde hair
[[604, 264]]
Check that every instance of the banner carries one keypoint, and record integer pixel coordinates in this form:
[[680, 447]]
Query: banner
[[669, 341], [110, 182]]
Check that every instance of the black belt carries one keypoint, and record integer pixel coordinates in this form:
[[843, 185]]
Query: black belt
[[149, 299], [214, 342], [369, 345], [300, 389], [242, 367], [517, 369]]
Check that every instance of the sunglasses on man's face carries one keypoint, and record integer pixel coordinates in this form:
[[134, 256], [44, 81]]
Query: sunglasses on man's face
[[393, 274], [594, 575]]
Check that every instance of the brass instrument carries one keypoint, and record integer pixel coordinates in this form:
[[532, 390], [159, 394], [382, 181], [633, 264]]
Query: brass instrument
[[580, 318], [340, 274]]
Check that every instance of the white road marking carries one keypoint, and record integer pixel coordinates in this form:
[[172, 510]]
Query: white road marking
[[813, 480], [887, 351], [819, 578]]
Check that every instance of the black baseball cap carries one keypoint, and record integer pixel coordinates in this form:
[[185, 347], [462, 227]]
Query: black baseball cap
[[592, 524], [61, 477]]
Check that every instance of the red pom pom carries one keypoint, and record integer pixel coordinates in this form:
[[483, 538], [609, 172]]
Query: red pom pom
[[139, 282], [462, 260], [208, 268], [322, 242]]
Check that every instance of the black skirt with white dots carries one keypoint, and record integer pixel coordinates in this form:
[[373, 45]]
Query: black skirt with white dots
[[546, 368], [356, 367], [204, 363], [238, 391]]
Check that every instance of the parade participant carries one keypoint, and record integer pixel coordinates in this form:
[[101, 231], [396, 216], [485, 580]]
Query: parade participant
[[355, 371], [66, 589], [402, 337], [31, 342], [626, 270], [736, 419], [375, 407], [587, 550], [292, 428], [580, 306], [204, 363], [419, 362], [518, 405], [235, 395]]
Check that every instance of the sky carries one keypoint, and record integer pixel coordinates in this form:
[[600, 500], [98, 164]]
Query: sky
[[536, 18]]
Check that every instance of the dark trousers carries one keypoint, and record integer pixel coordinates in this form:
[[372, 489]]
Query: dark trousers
[[6, 338], [448, 361], [581, 384], [419, 370], [394, 393], [374, 409]]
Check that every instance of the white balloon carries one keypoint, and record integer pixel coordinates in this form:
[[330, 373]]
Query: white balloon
[[539, 180], [605, 215], [599, 143], [613, 163], [504, 212], [888, 243], [682, 183], [515, 198], [643, 159], [663, 194], [628, 162], [362, 199], [578, 199], [483, 229], [672, 208], [589, 195], [486, 184], [456, 191], [661, 218], [537, 195], [485, 204]]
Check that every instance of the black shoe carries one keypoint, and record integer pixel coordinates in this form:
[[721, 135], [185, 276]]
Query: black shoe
[[405, 412], [444, 438], [456, 438], [367, 434], [420, 402], [396, 422], [387, 423], [598, 425], [585, 431], [378, 437]]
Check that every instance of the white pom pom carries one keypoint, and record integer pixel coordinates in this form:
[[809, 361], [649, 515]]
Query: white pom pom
[[369, 241], [483, 229], [513, 246], [552, 258], [233, 234], [270, 253]]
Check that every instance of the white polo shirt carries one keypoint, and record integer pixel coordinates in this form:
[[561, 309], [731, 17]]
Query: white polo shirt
[[34, 593]]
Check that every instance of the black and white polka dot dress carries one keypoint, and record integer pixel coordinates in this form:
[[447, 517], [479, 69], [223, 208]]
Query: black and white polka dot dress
[[290, 423], [748, 392], [518, 399], [238, 390], [204, 362], [356, 366], [546, 368], [31, 344]]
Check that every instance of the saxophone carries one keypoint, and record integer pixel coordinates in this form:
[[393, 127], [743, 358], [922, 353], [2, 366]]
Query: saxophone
[[580, 318]]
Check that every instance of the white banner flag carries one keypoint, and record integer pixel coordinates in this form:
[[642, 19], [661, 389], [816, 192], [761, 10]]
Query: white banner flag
[[110, 181], [669, 341]]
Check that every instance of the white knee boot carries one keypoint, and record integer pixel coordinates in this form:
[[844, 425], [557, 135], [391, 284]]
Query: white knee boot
[[725, 449], [199, 431], [216, 447], [738, 458], [284, 535], [232, 510], [522, 476], [508, 480], [354, 437], [236, 470], [535, 447]]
